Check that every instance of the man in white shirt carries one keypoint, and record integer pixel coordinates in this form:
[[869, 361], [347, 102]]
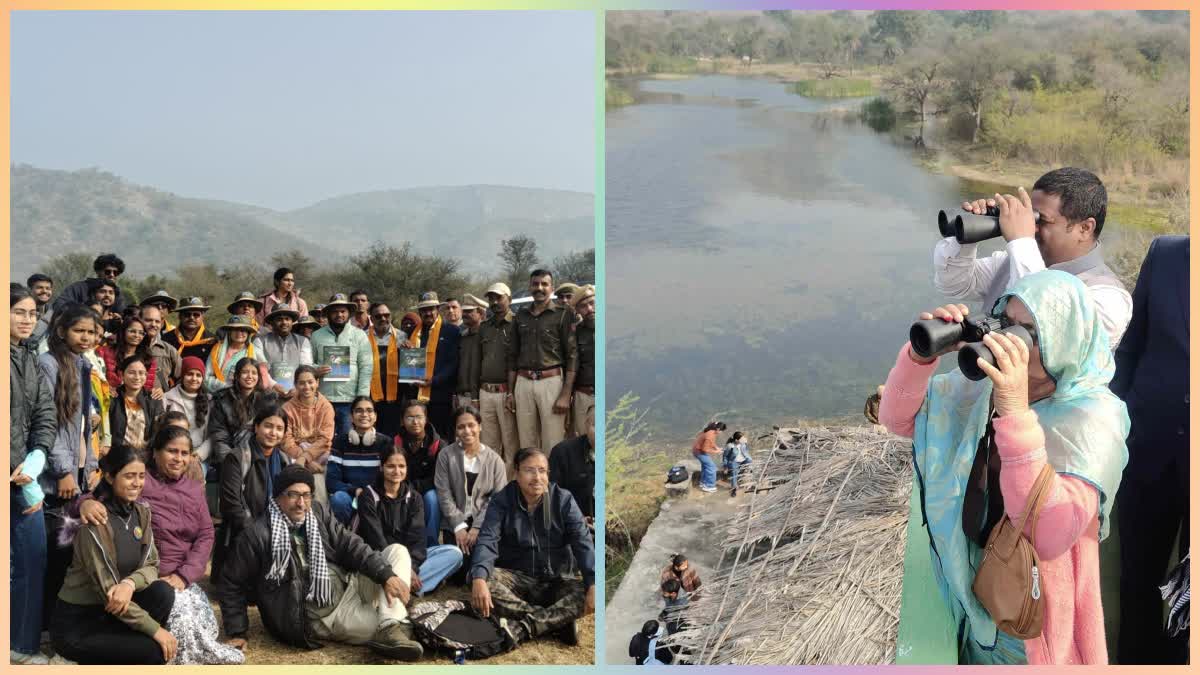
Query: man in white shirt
[[1071, 205]]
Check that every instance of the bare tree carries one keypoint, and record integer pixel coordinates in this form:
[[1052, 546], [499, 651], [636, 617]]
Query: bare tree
[[519, 258], [918, 86]]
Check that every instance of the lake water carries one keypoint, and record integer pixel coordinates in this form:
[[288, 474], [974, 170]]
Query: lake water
[[766, 252]]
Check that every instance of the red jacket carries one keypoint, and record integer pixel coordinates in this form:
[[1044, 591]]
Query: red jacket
[[109, 354]]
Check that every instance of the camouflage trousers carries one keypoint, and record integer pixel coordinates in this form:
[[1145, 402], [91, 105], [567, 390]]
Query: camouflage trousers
[[544, 605]]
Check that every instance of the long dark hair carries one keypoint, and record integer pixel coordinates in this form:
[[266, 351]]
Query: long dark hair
[[165, 433], [202, 402], [245, 406], [143, 348], [715, 426], [118, 457], [66, 386], [392, 449], [17, 293]]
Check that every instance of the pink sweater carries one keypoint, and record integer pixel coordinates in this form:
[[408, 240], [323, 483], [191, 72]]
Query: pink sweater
[[1067, 536]]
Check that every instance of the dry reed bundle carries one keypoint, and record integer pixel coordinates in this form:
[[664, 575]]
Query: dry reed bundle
[[813, 566]]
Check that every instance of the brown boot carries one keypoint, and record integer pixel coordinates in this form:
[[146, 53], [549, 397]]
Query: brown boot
[[396, 642]]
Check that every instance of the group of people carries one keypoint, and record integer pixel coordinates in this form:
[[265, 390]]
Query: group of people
[[1100, 397], [679, 582], [142, 450], [735, 457]]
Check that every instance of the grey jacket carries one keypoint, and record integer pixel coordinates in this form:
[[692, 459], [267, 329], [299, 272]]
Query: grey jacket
[[451, 483], [32, 422], [63, 457]]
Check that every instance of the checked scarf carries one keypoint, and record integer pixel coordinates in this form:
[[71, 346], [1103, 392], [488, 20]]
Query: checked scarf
[[319, 588]]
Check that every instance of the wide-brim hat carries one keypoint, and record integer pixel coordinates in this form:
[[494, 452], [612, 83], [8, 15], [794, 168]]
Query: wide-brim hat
[[429, 299], [194, 302], [162, 296], [307, 320], [499, 289], [245, 296], [239, 322], [338, 299], [317, 309], [282, 309]]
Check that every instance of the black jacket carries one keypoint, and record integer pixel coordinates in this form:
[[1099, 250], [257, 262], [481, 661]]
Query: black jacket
[[422, 459], [573, 468], [383, 521], [81, 291], [281, 605], [32, 417], [223, 419], [118, 416], [243, 498], [539, 544]]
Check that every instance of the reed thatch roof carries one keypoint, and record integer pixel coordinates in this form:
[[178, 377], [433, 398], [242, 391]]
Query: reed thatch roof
[[814, 561]]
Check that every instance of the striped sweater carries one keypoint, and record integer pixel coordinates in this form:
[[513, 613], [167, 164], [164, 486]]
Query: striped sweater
[[353, 465]]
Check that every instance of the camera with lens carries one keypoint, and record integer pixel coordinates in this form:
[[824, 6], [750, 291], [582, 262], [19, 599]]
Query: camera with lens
[[931, 336], [971, 228]]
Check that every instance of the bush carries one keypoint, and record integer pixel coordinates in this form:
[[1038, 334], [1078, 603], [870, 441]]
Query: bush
[[833, 88], [879, 114]]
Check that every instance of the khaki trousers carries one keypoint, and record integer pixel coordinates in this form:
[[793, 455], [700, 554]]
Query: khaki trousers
[[364, 605], [499, 430], [579, 408], [537, 424]]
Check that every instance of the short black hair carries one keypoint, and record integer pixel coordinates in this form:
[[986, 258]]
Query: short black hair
[[449, 300], [678, 560], [671, 585], [525, 453], [108, 260], [281, 273], [541, 273], [358, 291], [1081, 193], [37, 277]]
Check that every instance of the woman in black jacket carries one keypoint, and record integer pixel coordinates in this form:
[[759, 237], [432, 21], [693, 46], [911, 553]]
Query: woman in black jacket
[[235, 406], [32, 428], [391, 512], [421, 445], [133, 412], [246, 475]]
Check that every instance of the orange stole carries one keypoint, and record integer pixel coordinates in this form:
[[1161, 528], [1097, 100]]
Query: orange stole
[[425, 393], [393, 364]]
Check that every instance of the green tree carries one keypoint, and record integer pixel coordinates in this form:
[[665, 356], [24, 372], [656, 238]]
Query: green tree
[[918, 86], [398, 275], [68, 268], [518, 257], [577, 267], [908, 27], [972, 77]]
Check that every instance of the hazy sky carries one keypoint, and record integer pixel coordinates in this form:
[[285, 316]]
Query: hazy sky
[[282, 109]]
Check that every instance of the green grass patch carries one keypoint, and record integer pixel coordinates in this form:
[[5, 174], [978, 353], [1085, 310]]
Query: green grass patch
[[1147, 218], [838, 87], [616, 96]]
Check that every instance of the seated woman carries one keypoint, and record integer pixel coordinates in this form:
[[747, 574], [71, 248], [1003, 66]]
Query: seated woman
[[227, 355], [112, 605], [354, 461], [985, 442], [310, 427], [390, 511], [735, 458], [468, 474], [130, 341], [189, 398], [247, 472], [234, 407], [183, 533], [132, 411], [422, 444]]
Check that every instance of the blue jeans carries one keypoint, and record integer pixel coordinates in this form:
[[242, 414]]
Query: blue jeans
[[341, 418], [733, 468], [433, 518], [27, 575], [342, 505], [708, 471], [440, 562]]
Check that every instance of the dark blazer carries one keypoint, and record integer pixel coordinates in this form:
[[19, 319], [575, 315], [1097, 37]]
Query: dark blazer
[[1152, 361]]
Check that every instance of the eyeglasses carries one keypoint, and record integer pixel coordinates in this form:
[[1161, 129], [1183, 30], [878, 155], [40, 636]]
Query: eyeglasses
[[111, 272], [297, 496], [24, 314], [381, 317], [414, 418], [535, 471], [191, 315]]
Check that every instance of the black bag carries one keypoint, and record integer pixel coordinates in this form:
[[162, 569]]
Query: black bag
[[454, 627], [677, 474]]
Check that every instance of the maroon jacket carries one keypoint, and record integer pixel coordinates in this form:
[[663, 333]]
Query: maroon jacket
[[183, 530]]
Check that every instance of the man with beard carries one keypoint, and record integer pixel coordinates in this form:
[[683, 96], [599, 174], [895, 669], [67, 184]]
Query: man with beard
[[441, 364], [107, 267], [499, 430], [339, 333], [584, 304], [282, 350], [190, 337], [521, 565], [165, 304], [168, 364], [386, 342], [42, 288], [542, 360], [360, 316]]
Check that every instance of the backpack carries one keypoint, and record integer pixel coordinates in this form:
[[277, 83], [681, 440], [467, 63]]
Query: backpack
[[454, 627], [677, 474]]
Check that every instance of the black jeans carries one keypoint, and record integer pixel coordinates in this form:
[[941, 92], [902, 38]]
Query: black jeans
[[89, 635]]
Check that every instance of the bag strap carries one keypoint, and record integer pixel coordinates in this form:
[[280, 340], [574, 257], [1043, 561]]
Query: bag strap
[[1036, 500]]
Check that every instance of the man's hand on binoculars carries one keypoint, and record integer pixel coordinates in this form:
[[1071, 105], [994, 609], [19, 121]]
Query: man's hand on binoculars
[[1010, 375], [1017, 219]]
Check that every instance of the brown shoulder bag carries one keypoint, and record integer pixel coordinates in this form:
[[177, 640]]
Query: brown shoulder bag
[[1007, 583]]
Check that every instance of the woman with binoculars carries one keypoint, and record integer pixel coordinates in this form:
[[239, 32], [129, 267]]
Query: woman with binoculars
[[979, 446]]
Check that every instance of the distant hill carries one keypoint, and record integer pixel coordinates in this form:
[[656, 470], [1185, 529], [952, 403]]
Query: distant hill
[[56, 212]]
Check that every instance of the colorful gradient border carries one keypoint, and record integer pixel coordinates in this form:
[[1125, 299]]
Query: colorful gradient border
[[598, 7]]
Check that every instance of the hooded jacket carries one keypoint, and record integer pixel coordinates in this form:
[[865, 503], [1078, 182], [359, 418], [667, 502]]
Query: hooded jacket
[[422, 458], [32, 419]]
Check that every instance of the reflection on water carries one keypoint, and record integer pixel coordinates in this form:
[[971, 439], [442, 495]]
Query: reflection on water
[[765, 257]]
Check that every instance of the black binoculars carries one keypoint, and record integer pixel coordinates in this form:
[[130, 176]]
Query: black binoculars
[[971, 228], [930, 336]]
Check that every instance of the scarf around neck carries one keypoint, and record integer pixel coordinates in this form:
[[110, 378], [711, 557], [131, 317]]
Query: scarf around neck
[[319, 587]]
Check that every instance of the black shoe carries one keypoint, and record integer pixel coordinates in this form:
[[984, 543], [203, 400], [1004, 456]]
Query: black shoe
[[516, 630], [569, 634], [733, 492]]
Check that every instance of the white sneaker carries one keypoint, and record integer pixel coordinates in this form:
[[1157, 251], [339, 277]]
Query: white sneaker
[[706, 488], [22, 659]]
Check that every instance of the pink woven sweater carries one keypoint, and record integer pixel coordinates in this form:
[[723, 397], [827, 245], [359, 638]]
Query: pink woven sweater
[[1067, 537]]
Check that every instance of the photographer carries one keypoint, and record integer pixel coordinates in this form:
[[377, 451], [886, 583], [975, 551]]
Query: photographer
[[1065, 235], [979, 447]]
